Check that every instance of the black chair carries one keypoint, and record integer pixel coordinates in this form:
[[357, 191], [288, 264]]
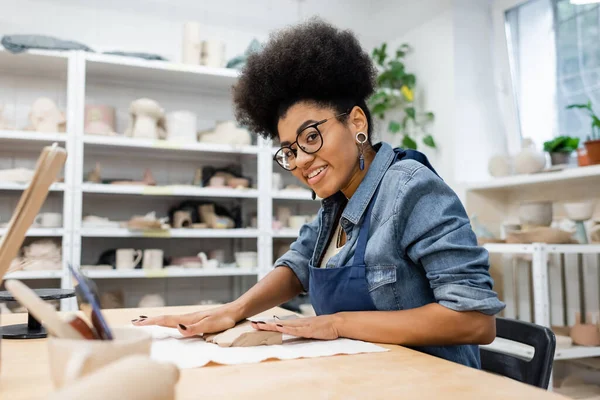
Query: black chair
[[535, 372]]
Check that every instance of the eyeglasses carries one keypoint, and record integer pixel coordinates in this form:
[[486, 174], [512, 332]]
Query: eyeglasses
[[309, 140]]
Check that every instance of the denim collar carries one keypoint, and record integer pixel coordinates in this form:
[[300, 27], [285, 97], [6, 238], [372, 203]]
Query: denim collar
[[358, 203]]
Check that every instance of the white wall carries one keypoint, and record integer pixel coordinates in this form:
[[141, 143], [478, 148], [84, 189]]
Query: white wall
[[453, 61], [432, 62], [479, 130]]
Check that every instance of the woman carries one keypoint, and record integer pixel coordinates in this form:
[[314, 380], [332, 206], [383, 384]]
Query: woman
[[391, 257]]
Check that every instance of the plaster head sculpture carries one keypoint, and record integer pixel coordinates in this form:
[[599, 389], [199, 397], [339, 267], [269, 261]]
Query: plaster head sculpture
[[147, 120], [227, 132], [3, 122], [99, 120], [46, 117]]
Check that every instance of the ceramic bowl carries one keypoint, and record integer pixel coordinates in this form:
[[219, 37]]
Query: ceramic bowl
[[580, 211], [535, 213], [246, 259]]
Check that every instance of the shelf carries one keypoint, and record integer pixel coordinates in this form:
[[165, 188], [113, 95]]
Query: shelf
[[33, 138], [34, 275], [36, 63], [292, 195], [174, 76], [40, 232], [576, 352], [526, 352], [55, 187], [172, 233], [168, 273], [504, 248], [574, 248], [286, 233], [172, 190], [508, 248], [143, 145], [578, 174]]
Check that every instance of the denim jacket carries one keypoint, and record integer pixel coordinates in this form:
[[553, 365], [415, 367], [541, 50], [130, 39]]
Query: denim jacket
[[421, 247]]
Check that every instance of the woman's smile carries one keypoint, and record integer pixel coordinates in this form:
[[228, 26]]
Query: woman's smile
[[315, 175]]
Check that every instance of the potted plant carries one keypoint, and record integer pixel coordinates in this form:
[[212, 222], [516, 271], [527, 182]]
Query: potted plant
[[561, 148], [592, 145], [394, 97]]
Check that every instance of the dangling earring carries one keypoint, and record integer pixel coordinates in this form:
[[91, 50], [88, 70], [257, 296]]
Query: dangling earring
[[361, 138]]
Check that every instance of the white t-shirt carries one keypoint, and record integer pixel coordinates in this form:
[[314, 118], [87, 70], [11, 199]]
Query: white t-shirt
[[334, 246]]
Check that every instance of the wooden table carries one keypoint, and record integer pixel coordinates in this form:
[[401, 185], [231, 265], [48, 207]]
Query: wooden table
[[399, 373]]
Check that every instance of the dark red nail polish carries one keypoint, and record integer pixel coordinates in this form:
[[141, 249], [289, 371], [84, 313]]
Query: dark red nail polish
[[260, 322], [133, 320], [183, 327], [143, 316], [281, 326], [140, 320]]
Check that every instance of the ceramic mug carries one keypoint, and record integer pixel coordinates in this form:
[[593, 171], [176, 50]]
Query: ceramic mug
[[283, 215], [277, 181], [71, 359], [128, 258], [212, 53], [296, 221], [246, 259], [153, 259], [48, 220]]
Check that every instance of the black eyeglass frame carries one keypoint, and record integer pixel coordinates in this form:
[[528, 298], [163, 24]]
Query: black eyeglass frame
[[313, 125]]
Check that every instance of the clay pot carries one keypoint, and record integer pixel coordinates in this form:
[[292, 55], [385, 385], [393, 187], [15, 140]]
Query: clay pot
[[585, 334], [560, 158], [529, 160], [593, 151], [582, 157], [500, 166], [538, 213], [182, 219]]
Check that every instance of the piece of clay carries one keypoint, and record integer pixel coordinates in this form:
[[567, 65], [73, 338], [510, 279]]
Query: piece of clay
[[99, 120], [46, 117], [227, 132], [94, 175], [147, 120], [244, 335], [182, 219], [3, 122], [541, 234]]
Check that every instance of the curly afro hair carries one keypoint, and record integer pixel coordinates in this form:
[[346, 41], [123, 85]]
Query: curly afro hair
[[314, 62]]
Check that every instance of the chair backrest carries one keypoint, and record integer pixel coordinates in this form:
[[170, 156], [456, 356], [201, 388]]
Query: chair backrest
[[536, 371]]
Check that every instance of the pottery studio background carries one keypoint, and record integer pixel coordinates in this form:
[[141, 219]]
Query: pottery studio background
[[165, 200]]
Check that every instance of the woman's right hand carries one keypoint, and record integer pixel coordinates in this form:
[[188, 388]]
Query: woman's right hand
[[196, 323]]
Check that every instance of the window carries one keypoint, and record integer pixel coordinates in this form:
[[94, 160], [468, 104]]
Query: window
[[554, 55]]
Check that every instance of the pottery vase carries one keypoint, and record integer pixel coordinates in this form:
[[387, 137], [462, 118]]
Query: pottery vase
[[529, 160]]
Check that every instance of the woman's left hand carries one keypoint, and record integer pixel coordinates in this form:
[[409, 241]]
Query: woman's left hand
[[321, 327]]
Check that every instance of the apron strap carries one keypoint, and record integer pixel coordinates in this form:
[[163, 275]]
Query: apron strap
[[363, 234]]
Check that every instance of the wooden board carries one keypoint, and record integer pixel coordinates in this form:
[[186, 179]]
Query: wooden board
[[399, 373]]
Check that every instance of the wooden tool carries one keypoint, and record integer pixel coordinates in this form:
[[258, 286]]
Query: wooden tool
[[42, 311], [48, 166]]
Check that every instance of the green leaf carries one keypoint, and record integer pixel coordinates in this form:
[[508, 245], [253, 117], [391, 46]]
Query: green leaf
[[404, 47], [561, 144], [430, 116], [380, 95], [379, 110], [428, 140], [409, 143], [394, 127], [410, 80], [410, 111], [587, 106]]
